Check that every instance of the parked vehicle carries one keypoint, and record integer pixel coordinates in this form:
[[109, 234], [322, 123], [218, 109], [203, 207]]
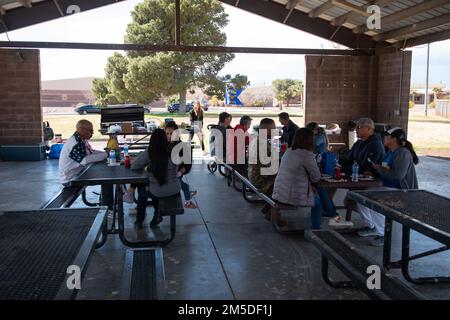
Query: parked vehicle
[[87, 108], [175, 107]]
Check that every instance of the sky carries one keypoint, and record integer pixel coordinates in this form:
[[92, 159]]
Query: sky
[[108, 25]]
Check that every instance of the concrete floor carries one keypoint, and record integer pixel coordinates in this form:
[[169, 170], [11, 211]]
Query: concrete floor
[[224, 249]]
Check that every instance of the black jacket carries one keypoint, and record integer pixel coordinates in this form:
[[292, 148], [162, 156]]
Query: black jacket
[[288, 133], [371, 148]]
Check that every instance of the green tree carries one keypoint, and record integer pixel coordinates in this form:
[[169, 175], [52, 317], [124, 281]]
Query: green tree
[[100, 88], [143, 76], [215, 86], [286, 89]]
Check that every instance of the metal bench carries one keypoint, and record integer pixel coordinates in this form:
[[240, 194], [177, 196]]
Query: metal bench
[[144, 275], [276, 208], [64, 198], [354, 264], [169, 206]]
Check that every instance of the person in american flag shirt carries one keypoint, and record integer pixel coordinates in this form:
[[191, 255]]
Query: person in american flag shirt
[[77, 153]]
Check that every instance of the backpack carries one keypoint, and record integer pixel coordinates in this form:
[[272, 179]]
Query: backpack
[[55, 151]]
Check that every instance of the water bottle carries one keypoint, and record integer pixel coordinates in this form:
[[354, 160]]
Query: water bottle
[[355, 172], [112, 157], [319, 161]]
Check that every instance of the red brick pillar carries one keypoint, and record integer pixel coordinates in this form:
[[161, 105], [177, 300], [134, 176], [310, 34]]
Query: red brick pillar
[[20, 108]]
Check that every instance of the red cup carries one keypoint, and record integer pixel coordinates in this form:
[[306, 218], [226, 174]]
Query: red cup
[[283, 147], [337, 172]]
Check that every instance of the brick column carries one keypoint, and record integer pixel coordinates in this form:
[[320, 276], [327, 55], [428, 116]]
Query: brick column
[[339, 89], [20, 108]]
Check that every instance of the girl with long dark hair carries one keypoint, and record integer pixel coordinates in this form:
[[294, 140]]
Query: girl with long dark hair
[[162, 176]]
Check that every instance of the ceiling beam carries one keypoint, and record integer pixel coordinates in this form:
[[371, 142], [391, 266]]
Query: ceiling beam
[[339, 21], [350, 7], [175, 48], [314, 13], [404, 14], [291, 7], [416, 27], [429, 38], [44, 11], [25, 3], [301, 21]]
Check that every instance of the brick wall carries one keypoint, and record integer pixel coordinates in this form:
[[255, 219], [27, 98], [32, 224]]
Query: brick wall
[[20, 108], [339, 89], [393, 98]]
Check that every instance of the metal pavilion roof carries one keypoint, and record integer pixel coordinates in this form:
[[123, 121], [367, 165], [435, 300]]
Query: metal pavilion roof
[[404, 23]]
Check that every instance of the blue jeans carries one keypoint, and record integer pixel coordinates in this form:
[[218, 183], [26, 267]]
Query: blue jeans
[[327, 203], [185, 188], [316, 213]]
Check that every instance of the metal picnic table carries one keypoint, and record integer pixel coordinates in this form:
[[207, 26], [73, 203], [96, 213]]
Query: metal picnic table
[[116, 177], [423, 211], [37, 247]]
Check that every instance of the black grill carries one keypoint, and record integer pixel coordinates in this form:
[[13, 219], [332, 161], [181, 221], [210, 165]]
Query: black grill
[[36, 247], [143, 282]]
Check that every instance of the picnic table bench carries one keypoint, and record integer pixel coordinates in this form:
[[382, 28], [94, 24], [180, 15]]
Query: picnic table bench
[[422, 211], [276, 208], [355, 265], [144, 277], [64, 198]]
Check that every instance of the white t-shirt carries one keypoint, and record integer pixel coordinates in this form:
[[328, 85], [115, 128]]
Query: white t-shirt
[[69, 168]]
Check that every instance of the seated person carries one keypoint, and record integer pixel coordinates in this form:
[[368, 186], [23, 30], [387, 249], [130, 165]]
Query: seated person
[[237, 156], [184, 168], [162, 176], [298, 171], [397, 171], [263, 182], [320, 138], [369, 146], [77, 153], [224, 124], [289, 128]]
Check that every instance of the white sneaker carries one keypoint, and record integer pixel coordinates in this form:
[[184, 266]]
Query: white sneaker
[[338, 222], [128, 197], [132, 211]]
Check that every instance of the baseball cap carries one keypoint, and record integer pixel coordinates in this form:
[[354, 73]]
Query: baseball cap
[[396, 132], [366, 122]]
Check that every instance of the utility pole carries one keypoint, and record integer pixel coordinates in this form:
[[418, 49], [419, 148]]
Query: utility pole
[[426, 84]]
